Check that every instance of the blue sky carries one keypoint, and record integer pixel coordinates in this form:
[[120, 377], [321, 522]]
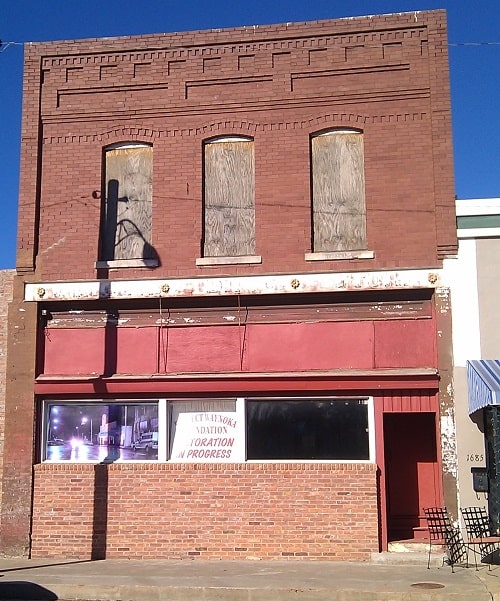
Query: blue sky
[[473, 35]]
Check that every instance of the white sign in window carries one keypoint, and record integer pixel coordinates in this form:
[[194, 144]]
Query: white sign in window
[[207, 431]]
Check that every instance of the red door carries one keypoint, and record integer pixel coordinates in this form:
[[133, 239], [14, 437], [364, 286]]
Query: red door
[[411, 472]]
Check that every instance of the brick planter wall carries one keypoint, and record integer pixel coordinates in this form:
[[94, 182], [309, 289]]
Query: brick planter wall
[[210, 511]]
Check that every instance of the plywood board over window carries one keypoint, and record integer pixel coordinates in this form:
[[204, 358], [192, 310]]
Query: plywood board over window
[[338, 191], [128, 201], [229, 198]]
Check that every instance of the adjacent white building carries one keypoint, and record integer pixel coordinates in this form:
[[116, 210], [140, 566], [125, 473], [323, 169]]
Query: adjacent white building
[[474, 282]]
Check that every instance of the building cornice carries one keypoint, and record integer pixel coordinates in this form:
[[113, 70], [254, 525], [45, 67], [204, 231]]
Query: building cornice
[[232, 286]]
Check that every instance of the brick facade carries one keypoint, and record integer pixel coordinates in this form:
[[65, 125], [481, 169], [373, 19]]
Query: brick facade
[[6, 283], [274, 511], [384, 76]]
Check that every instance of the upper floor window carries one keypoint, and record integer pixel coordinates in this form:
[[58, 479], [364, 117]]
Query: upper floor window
[[229, 203], [128, 179], [338, 194]]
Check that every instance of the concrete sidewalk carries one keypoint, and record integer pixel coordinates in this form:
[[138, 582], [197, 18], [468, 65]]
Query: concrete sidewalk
[[198, 580]]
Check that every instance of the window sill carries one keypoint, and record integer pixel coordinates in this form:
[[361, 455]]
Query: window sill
[[243, 260], [340, 255], [126, 263]]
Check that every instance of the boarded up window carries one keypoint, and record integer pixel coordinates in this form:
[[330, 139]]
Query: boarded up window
[[127, 204], [229, 198], [338, 190]]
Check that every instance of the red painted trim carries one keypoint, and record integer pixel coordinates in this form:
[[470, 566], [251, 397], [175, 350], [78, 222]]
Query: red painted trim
[[380, 460], [242, 384]]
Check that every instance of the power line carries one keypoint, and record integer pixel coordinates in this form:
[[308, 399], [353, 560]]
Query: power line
[[474, 44], [5, 45]]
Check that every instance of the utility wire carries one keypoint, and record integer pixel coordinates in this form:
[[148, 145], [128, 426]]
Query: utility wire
[[5, 45], [474, 44]]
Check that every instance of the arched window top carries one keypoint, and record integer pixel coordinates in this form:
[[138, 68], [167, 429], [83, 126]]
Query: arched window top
[[335, 131], [221, 139], [127, 145]]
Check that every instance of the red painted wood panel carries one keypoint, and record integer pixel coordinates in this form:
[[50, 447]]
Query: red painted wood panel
[[203, 349], [411, 403], [75, 351], [137, 350], [301, 346], [405, 343], [264, 347]]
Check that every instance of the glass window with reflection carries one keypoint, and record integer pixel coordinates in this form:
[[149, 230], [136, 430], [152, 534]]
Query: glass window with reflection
[[101, 432], [326, 429]]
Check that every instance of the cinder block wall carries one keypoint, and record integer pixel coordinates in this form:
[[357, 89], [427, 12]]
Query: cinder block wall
[[211, 511]]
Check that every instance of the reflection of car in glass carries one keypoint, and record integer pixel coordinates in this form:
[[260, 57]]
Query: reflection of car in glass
[[55, 442], [148, 442]]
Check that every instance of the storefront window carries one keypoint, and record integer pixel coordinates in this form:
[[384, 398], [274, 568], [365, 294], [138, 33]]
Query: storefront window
[[101, 432], [331, 429], [208, 430]]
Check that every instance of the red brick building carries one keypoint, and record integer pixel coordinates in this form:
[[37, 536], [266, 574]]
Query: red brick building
[[6, 281], [229, 335]]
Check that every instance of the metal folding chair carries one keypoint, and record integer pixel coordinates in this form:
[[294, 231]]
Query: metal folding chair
[[480, 539], [443, 534]]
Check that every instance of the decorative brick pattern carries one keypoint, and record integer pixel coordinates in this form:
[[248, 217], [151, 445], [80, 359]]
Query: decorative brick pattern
[[384, 75]]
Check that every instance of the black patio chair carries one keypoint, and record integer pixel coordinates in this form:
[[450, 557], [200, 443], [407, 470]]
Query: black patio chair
[[442, 533], [480, 540]]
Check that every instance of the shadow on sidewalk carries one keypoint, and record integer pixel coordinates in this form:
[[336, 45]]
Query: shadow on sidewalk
[[45, 565], [25, 591]]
